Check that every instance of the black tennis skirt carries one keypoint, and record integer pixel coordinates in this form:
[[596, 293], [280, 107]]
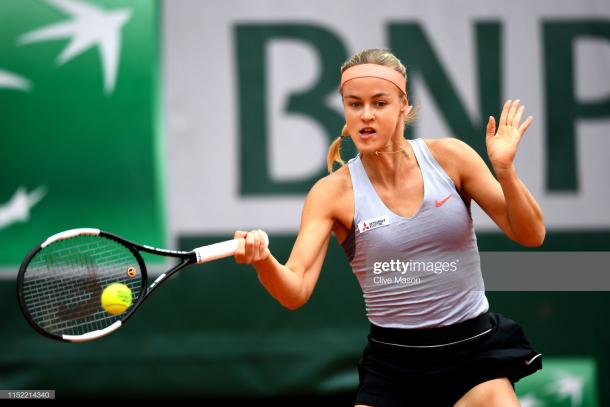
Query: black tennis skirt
[[435, 367]]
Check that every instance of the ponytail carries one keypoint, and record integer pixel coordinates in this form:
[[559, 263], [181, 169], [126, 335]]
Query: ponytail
[[334, 151]]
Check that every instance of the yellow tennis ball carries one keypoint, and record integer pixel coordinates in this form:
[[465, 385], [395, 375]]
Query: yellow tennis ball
[[116, 298]]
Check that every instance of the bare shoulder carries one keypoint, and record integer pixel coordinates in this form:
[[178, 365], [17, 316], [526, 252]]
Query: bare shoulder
[[332, 196], [448, 148], [453, 155], [332, 187], [460, 161]]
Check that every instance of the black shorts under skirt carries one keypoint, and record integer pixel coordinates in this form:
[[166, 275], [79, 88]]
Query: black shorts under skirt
[[435, 367]]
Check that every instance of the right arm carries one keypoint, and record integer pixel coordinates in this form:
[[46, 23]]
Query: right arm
[[293, 283]]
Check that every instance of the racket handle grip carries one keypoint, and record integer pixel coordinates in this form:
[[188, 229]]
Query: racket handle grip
[[220, 250]]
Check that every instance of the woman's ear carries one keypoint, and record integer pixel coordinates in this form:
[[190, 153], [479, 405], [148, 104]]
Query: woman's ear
[[406, 107]]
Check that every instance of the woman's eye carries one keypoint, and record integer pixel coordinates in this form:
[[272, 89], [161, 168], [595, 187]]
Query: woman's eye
[[380, 103], [355, 104]]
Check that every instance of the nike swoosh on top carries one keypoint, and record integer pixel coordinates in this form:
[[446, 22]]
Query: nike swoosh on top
[[440, 203]]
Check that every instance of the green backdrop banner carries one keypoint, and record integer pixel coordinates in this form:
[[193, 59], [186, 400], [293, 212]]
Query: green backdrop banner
[[80, 121]]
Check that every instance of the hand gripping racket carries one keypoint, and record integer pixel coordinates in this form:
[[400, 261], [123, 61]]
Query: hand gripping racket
[[60, 282]]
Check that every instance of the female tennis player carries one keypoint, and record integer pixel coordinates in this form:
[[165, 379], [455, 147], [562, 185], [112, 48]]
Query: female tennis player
[[401, 211]]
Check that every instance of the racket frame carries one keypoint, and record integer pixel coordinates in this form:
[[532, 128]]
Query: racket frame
[[187, 259]]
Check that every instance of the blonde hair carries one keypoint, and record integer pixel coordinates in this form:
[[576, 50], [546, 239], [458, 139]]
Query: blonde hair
[[368, 56]]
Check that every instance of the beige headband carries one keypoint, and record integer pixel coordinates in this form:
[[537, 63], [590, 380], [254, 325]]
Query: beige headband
[[375, 71]]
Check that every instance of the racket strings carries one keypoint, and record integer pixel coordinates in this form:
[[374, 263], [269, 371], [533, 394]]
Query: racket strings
[[64, 282]]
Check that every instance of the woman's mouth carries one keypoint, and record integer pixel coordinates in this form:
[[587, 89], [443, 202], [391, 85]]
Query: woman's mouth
[[367, 133]]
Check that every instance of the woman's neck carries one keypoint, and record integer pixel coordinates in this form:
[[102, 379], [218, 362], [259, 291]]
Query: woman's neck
[[389, 166]]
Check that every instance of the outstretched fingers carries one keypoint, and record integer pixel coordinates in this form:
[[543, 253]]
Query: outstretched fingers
[[517, 119], [525, 125], [512, 112], [491, 128], [504, 114]]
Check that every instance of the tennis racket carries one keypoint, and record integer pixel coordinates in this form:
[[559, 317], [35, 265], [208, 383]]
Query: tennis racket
[[60, 282]]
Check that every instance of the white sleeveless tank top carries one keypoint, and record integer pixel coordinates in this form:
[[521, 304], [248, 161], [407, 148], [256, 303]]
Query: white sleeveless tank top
[[418, 272]]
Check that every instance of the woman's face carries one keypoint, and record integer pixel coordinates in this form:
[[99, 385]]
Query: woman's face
[[374, 111]]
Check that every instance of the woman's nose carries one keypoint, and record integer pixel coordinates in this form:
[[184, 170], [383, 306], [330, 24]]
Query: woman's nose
[[367, 113]]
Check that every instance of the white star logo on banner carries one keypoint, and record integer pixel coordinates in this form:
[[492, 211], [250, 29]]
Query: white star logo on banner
[[90, 26], [18, 208], [568, 386], [9, 80], [530, 401]]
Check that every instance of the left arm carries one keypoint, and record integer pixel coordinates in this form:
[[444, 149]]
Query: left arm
[[523, 212], [506, 199]]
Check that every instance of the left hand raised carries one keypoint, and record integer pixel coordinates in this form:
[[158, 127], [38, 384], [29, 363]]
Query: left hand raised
[[502, 146]]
